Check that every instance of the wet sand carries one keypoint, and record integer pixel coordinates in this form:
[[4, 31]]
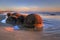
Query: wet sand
[[51, 33]]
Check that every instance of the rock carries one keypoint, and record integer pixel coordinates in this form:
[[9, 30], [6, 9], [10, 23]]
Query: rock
[[12, 18], [9, 14], [15, 18], [16, 15], [20, 20], [33, 21]]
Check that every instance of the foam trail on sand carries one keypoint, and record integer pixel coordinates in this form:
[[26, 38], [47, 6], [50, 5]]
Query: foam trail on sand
[[4, 20], [16, 27]]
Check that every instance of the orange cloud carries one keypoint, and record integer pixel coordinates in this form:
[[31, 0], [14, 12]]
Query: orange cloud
[[38, 9], [46, 9], [50, 9]]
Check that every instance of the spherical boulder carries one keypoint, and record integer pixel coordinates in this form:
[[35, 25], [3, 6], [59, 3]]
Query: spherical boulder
[[33, 21]]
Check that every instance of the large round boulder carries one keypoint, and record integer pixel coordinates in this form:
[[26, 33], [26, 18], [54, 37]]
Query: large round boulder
[[33, 21]]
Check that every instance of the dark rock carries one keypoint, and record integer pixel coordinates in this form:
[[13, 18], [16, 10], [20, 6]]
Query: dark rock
[[20, 19], [12, 18], [33, 20], [9, 14]]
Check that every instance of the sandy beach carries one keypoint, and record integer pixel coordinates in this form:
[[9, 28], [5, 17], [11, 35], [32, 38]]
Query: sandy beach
[[6, 34], [48, 33]]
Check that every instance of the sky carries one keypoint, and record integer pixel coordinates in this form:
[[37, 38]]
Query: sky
[[30, 5]]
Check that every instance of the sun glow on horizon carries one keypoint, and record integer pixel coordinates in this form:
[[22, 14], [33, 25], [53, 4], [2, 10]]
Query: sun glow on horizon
[[46, 9]]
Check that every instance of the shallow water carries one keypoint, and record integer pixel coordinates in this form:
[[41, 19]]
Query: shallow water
[[51, 30]]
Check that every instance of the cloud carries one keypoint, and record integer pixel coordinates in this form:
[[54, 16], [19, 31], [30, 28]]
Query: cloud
[[45, 9], [26, 8]]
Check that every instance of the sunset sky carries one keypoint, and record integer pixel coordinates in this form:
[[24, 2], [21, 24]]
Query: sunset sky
[[31, 5]]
